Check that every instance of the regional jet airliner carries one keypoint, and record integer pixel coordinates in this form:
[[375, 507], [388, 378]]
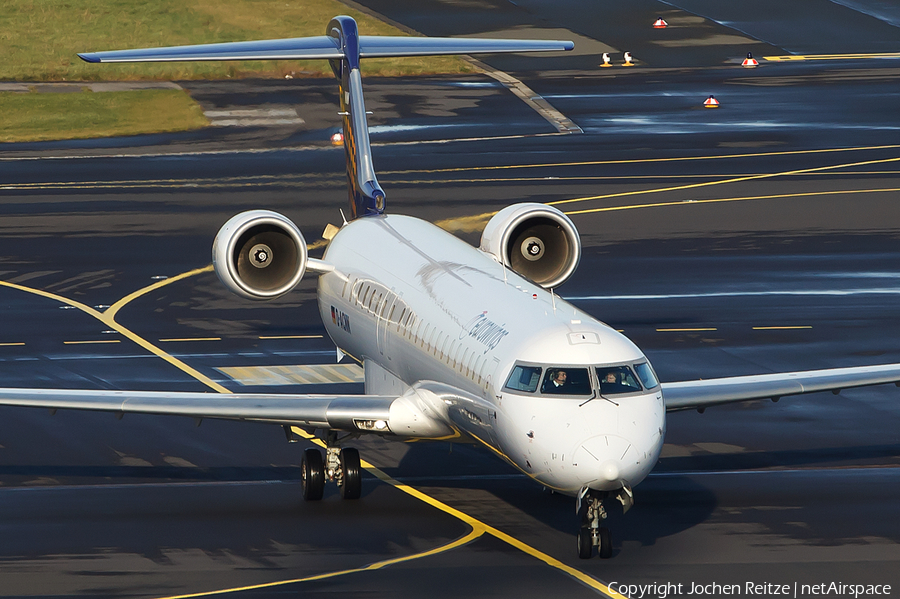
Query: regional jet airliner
[[457, 342]]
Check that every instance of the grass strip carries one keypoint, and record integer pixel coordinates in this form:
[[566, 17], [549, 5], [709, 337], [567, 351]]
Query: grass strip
[[39, 39], [79, 115]]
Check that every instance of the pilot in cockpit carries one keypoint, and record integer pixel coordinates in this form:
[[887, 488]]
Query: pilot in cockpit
[[555, 382]]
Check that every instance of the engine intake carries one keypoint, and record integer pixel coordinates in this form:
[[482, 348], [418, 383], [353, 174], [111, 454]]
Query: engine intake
[[259, 254], [536, 241]]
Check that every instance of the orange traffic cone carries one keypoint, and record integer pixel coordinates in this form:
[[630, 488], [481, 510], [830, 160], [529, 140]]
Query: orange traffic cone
[[606, 62], [750, 62], [711, 102], [660, 24], [628, 62], [337, 139]]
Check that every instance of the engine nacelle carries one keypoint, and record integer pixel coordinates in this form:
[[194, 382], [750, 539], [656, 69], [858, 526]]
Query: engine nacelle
[[536, 241], [259, 254]]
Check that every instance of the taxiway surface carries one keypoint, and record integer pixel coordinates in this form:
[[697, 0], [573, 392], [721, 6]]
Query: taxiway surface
[[754, 238]]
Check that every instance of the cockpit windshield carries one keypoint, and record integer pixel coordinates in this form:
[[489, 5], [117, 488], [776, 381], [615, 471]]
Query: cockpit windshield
[[524, 378], [581, 381], [617, 379], [567, 381], [645, 373]]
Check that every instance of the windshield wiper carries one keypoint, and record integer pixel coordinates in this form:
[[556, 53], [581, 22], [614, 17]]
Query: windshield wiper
[[601, 396]]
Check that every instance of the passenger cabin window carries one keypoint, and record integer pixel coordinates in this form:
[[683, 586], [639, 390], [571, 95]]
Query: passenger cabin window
[[567, 381], [617, 379], [524, 378], [645, 373]]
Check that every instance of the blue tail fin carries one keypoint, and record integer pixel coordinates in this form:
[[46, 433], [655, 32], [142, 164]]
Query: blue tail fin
[[366, 195], [343, 47]]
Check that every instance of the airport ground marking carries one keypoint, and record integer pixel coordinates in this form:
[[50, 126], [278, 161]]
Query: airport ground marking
[[108, 318], [590, 178], [115, 307], [478, 528], [697, 330], [185, 339], [176, 184], [463, 540], [782, 328], [727, 181], [735, 199], [476, 222], [475, 523], [644, 160]]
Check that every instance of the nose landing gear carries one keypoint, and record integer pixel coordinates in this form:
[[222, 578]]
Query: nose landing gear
[[341, 466], [591, 512]]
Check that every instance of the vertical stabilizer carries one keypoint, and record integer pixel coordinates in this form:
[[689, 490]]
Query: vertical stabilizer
[[342, 46], [366, 195]]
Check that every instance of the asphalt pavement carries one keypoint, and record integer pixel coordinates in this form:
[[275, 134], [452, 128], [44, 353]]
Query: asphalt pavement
[[756, 237]]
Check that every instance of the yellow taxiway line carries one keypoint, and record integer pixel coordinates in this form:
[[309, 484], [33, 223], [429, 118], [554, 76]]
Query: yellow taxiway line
[[468, 538], [478, 527], [108, 316], [646, 160], [735, 199], [474, 523], [816, 169]]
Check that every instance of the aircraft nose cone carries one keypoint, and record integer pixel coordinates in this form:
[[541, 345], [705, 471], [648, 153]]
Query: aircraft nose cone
[[605, 462], [610, 471]]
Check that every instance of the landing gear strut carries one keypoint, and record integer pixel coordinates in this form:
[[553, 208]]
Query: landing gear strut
[[591, 534], [340, 466]]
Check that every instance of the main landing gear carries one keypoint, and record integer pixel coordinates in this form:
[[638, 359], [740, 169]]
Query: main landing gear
[[591, 534], [340, 466]]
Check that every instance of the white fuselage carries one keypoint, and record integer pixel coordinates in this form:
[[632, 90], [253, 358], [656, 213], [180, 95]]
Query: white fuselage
[[445, 323]]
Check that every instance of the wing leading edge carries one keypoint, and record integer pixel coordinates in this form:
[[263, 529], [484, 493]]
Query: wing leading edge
[[686, 395], [339, 412]]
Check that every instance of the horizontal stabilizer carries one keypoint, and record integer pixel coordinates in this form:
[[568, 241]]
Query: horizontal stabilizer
[[326, 47], [293, 48], [384, 46]]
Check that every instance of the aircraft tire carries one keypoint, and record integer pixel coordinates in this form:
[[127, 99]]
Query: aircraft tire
[[605, 544], [585, 543], [350, 471], [312, 475]]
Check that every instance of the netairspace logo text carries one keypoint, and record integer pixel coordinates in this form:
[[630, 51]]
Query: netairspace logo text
[[662, 590]]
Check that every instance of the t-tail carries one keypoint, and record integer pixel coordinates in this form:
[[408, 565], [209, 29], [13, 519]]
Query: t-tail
[[343, 47]]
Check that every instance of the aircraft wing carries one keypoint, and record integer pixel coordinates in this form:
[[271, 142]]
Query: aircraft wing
[[326, 47], [687, 395], [340, 412]]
